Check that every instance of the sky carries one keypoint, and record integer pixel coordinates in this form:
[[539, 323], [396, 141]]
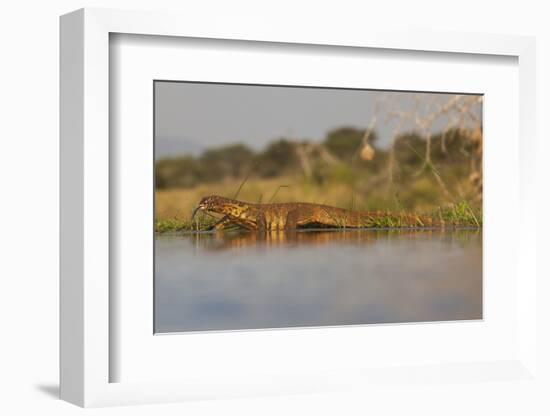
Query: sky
[[191, 117]]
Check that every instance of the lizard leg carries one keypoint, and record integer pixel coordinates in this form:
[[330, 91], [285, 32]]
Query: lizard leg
[[281, 222], [221, 224], [291, 220], [228, 220], [260, 222], [298, 217]]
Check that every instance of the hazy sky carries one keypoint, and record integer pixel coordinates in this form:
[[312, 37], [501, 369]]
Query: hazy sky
[[190, 117]]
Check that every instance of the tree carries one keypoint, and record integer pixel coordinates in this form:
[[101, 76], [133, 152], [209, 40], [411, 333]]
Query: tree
[[182, 172], [347, 142], [234, 160], [279, 157]]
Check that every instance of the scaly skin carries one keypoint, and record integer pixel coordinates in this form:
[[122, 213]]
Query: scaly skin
[[293, 215]]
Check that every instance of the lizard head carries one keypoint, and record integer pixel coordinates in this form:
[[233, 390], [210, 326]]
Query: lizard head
[[213, 203]]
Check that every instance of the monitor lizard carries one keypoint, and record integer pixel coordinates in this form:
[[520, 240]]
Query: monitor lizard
[[294, 215]]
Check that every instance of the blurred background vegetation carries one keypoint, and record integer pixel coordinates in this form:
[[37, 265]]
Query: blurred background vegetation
[[419, 171]]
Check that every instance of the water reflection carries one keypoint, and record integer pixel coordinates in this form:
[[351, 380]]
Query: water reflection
[[222, 281], [240, 240]]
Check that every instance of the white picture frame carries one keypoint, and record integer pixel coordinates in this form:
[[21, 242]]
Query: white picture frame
[[86, 291]]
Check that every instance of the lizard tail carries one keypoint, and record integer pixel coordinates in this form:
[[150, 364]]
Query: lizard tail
[[379, 219]]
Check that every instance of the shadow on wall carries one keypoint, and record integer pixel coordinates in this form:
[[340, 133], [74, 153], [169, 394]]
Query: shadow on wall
[[51, 390]]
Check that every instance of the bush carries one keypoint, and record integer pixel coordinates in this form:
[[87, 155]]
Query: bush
[[278, 158], [183, 172], [228, 161], [346, 141]]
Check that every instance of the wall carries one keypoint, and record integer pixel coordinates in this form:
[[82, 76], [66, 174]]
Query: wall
[[29, 209]]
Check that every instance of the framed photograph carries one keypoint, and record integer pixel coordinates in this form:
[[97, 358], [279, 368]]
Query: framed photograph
[[341, 205], [269, 212]]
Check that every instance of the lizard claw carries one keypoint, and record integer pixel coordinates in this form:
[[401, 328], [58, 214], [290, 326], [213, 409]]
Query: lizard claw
[[195, 212]]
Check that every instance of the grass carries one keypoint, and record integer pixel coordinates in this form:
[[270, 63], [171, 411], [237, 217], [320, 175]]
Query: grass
[[455, 215], [461, 214], [202, 223], [390, 220], [172, 224], [173, 207]]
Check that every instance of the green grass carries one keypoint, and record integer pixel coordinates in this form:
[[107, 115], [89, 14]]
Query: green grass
[[455, 215], [172, 224], [461, 214], [202, 223], [390, 220]]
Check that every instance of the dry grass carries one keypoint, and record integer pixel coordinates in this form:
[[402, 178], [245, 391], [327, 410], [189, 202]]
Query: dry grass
[[174, 207], [179, 203]]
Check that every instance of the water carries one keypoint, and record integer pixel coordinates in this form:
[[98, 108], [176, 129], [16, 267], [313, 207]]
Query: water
[[227, 281]]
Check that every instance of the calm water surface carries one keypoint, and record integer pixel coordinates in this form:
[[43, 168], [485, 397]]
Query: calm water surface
[[227, 281]]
